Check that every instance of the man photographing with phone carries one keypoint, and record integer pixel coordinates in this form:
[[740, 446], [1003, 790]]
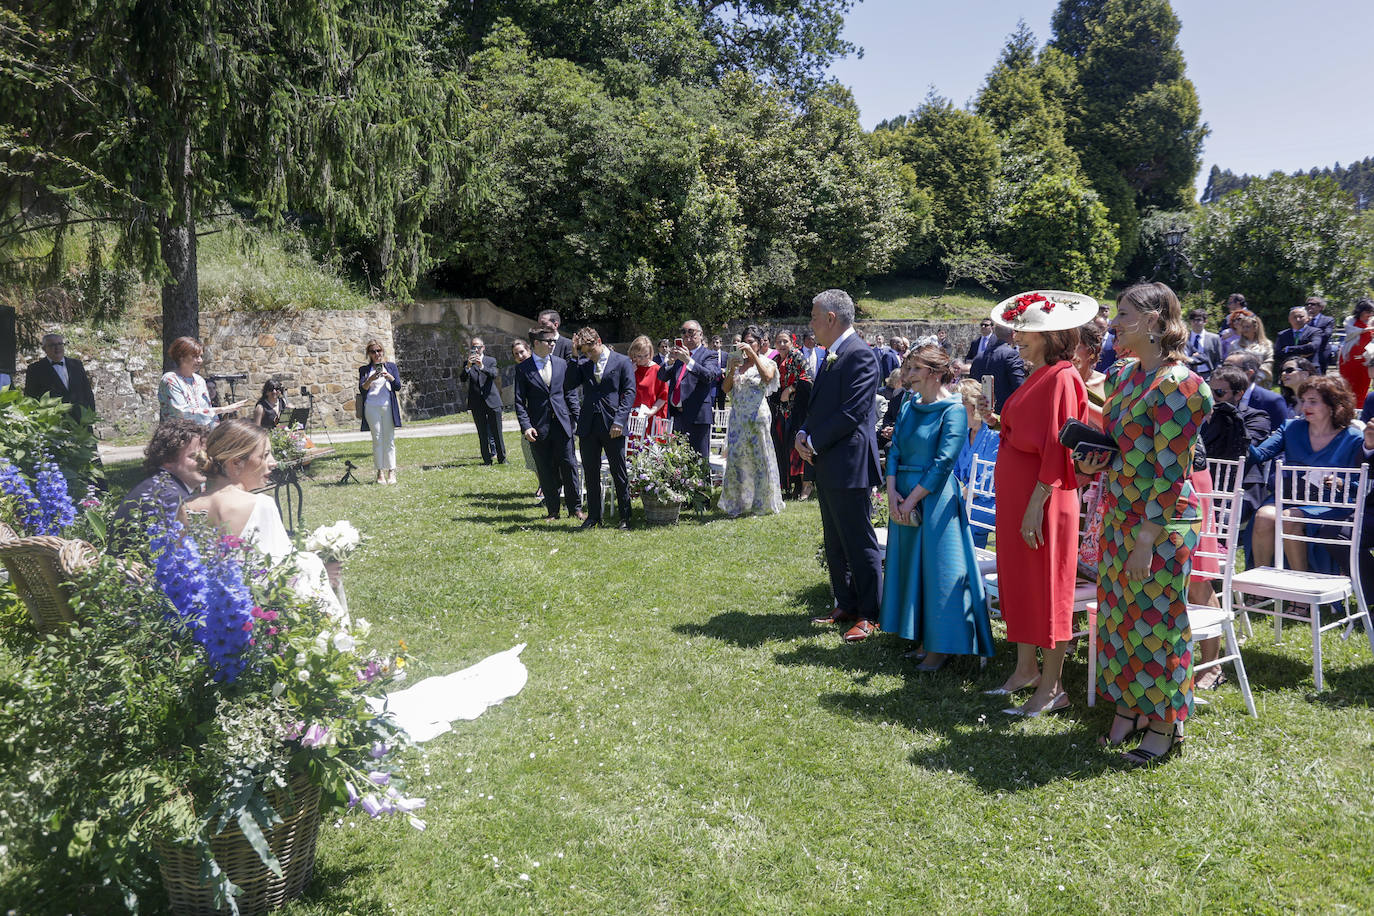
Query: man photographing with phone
[[692, 373], [484, 400]]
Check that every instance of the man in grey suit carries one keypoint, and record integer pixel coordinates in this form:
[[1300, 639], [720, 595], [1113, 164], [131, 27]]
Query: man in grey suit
[[1203, 347]]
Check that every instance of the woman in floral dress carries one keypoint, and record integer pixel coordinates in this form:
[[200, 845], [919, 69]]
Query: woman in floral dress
[[1155, 405], [751, 465]]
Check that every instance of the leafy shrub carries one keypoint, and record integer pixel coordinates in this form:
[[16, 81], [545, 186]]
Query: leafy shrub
[[29, 429]]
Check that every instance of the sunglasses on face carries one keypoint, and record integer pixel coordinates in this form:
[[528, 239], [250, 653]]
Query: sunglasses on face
[[1288, 370], [1223, 392]]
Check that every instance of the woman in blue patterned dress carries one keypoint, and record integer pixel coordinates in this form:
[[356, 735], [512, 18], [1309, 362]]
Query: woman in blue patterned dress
[[751, 465], [932, 590]]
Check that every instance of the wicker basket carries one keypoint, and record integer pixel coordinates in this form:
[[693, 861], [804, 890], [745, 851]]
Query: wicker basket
[[657, 512], [39, 567], [292, 842]]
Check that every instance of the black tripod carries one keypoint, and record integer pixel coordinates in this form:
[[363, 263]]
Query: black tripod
[[349, 468]]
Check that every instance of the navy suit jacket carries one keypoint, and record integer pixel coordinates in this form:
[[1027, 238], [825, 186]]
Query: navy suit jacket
[[608, 402], [973, 347], [1272, 403], [888, 360], [538, 406], [1208, 354], [41, 378], [1003, 362], [698, 385], [364, 371], [841, 419], [484, 384]]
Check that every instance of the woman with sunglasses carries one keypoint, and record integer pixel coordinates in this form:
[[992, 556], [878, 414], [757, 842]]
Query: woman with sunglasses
[[1292, 374], [379, 382], [267, 413]]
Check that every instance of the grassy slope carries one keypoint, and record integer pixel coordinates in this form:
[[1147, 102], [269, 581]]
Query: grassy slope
[[689, 743], [902, 299]]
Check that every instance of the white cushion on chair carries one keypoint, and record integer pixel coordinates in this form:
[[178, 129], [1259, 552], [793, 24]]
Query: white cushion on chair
[[1292, 585], [1205, 621]]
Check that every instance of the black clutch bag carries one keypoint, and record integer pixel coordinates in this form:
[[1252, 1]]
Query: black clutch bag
[[1081, 439]]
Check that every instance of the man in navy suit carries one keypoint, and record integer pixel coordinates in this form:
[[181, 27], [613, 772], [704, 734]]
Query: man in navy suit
[[1324, 326], [1271, 402], [888, 360], [59, 375], [1003, 362], [547, 411], [1298, 339], [1203, 347], [982, 343], [692, 373], [840, 439], [608, 394], [484, 400]]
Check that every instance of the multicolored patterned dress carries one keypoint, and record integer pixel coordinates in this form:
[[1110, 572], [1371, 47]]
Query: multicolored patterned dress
[[751, 465], [1144, 647]]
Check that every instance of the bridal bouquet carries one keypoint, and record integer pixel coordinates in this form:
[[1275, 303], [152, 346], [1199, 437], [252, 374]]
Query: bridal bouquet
[[334, 543]]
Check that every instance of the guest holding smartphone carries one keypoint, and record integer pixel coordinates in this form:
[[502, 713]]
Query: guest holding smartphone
[[380, 383]]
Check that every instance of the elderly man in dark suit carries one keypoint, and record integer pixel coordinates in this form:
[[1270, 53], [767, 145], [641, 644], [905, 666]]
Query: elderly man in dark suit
[[547, 411], [693, 374], [840, 439], [1300, 338], [484, 400], [1003, 362], [59, 375], [608, 394]]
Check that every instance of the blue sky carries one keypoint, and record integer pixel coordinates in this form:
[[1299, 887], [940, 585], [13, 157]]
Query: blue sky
[[1283, 85]]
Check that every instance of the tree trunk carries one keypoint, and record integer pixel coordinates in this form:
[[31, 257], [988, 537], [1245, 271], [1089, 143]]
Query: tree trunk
[[180, 293]]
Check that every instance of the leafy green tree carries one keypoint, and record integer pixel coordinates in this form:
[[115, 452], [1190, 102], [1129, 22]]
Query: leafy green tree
[[954, 156], [788, 43], [1134, 116], [150, 113], [1026, 85], [1283, 238]]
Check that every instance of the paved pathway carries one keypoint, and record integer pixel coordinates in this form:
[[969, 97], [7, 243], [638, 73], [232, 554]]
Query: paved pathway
[[116, 453]]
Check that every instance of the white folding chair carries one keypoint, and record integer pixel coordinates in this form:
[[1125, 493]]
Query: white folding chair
[[980, 485], [1205, 621], [720, 424], [1288, 591], [638, 425], [661, 428]]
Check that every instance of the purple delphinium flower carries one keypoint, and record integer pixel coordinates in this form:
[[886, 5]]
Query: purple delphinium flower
[[315, 736], [27, 510], [55, 503], [373, 806]]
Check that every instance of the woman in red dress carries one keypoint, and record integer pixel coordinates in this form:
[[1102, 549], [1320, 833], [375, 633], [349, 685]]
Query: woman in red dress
[[1037, 499], [651, 394], [1359, 333]]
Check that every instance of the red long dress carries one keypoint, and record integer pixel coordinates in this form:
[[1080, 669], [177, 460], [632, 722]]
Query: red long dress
[[1036, 586], [1352, 367]]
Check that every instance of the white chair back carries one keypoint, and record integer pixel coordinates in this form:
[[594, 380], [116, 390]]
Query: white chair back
[[720, 425], [980, 485], [1337, 489], [662, 427], [638, 424]]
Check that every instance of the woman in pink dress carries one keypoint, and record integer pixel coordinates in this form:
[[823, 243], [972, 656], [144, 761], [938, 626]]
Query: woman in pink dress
[[1037, 497]]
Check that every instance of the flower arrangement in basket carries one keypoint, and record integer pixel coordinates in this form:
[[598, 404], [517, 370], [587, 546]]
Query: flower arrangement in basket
[[670, 472], [210, 714], [288, 444]]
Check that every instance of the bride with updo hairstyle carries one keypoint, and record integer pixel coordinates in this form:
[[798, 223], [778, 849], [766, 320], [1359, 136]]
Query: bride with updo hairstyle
[[237, 460]]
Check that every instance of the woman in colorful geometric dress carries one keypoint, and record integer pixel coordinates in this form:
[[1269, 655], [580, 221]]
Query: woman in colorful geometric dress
[[1037, 497], [932, 590], [1155, 405]]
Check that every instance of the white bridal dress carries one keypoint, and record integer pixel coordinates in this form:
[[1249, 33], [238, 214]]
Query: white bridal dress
[[266, 532]]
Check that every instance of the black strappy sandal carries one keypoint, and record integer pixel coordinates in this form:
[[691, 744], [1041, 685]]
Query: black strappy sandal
[[1140, 757], [1136, 728]]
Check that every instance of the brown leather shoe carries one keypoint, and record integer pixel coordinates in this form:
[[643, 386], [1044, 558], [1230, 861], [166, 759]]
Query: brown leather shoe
[[860, 631], [837, 616]]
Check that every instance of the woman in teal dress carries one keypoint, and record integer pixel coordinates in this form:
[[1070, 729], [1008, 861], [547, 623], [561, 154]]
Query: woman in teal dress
[[932, 591]]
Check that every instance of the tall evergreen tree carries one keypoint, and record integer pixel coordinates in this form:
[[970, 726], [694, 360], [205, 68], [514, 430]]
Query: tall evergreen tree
[[1134, 116]]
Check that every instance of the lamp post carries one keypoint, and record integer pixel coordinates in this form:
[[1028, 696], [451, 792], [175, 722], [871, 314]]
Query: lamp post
[[1174, 255]]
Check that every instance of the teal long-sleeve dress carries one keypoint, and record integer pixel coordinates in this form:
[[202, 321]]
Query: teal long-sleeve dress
[[932, 591]]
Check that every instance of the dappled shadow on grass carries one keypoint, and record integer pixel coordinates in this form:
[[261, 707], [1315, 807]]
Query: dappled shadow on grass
[[338, 889], [997, 752], [1348, 687], [451, 463], [749, 631]]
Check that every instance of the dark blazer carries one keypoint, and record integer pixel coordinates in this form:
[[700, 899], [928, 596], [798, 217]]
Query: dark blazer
[[841, 421], [484, 384], [41, 378], [972, 353], [1272, 403], [1326, 326], [698, 385], [538, 406], [395, 387], [1003, 362], [606, 403], [563, 349], [1306, 343], [1208, 354], [888, 360]]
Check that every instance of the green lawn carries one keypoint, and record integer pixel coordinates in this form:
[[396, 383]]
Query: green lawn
[[688, 742], [900, 299]]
